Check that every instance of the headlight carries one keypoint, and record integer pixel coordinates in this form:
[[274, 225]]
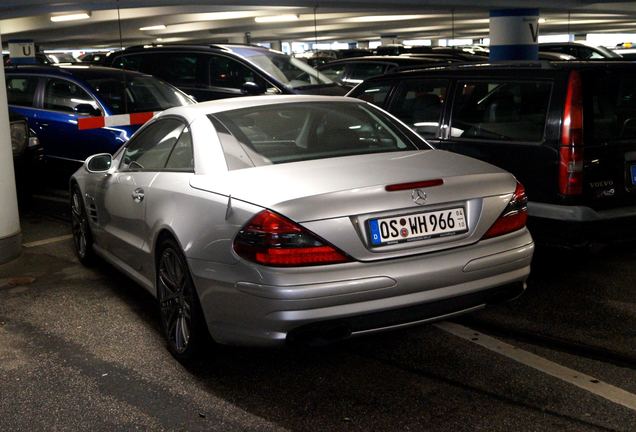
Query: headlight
[[19, 136]]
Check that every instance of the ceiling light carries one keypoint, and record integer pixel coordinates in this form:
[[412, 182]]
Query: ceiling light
[[70, 17], [542, 20], [212, 16], [155, 27], [381, 18], [276, 18]]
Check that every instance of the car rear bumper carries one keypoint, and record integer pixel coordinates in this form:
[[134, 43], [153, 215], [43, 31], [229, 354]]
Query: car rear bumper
[[575, 226], [333, 302]]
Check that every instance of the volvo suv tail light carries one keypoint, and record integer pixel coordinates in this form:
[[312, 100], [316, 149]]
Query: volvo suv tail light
[[571, 151], [273, 240], [513, 217]]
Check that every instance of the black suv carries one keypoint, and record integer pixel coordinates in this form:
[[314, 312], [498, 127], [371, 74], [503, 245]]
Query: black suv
[[220, 71], [567, 130]]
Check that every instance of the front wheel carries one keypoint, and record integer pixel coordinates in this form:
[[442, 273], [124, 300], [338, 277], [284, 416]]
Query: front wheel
[[82, 239], [181, 316]]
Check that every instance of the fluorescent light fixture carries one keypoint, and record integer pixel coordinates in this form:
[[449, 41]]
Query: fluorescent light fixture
[[542, 20], [70, 17], [381, 18], [276, 18], [154, 27], [213, 16]]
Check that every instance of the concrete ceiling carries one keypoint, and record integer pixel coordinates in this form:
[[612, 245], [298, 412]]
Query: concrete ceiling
[[113, 22]]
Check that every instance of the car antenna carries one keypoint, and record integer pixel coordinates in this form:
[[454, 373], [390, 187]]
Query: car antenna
[[121, 47]]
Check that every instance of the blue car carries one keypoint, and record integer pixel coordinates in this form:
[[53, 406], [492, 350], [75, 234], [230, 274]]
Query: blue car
[[54, 100]]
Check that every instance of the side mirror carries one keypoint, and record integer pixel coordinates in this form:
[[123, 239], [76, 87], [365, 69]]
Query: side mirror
[[87, 110], [99, 163], [250, 88]]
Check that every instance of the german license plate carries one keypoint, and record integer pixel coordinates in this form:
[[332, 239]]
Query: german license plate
[[417, 226], [633, 173]]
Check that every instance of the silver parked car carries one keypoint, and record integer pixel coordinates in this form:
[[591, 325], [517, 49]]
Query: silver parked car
[[272, 219]]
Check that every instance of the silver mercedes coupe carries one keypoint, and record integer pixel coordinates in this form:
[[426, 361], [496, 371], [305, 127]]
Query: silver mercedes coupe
[[264, 220]]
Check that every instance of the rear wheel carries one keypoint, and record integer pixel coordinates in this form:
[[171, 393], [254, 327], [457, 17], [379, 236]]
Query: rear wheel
[[181, 316], [82, 239]]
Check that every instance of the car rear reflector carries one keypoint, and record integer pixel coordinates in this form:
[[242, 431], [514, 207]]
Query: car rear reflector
[[273, 240], [571, 151], [414, 185], [513, 217]]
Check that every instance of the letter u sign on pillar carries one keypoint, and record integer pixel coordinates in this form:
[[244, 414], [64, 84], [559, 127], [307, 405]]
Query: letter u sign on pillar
[[514, 34]]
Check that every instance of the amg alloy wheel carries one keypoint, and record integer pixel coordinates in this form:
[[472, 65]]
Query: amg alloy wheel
[[181, 317], [82, 239]]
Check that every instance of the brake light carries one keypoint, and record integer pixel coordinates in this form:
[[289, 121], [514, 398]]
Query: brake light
[[571, 151], [273, 240], [513, 217]]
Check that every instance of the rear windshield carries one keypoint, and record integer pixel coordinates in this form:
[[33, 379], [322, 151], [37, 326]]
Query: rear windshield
[[610, 110], [142, 94], [288, 70], [273, 134]]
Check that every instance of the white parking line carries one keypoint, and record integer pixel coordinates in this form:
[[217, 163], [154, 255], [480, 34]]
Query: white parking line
[[51, 198], [47, 241], [581, 380]]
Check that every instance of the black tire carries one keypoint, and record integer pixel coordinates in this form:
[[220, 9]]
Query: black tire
[[180, 311], [82, 237]]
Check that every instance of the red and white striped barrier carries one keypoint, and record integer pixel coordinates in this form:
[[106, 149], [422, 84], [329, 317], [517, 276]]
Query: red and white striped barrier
[[85, 123]]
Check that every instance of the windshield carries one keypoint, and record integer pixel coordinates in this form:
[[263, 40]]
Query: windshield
[[291, 132], [143, 94], [290, 71]]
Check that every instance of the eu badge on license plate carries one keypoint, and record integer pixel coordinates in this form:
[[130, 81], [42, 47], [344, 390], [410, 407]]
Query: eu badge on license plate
[[633, 172]]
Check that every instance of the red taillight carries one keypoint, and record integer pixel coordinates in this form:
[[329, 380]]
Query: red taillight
[[571, 152], [272, 240], [513, 217], [414, 185]]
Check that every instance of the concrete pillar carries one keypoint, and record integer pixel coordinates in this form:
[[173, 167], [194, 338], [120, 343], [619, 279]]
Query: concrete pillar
[[390, 40], [277, 45], [514, 34], [10, 235]]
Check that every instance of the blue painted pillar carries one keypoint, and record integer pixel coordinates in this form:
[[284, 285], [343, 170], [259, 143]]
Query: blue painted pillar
[[514, 34]]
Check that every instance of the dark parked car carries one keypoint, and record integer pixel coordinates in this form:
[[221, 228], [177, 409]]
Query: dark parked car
[[567, 130], [210, 72], [352, 71], [53, 99], [580, 50]]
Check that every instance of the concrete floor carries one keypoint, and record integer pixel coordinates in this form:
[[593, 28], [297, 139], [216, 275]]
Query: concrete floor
[[81, 349]]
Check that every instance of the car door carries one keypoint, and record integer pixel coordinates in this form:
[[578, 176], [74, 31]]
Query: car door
[[127, 190], [502, 121], [56, 123]]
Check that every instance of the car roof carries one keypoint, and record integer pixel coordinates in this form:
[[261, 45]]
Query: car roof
[[78, 71], [536, 67], [385, 59], [228, 47]]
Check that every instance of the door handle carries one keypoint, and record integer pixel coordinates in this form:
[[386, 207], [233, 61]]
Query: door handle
[[138, 195]]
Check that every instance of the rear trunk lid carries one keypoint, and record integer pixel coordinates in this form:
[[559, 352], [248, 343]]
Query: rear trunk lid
[[339, 198]]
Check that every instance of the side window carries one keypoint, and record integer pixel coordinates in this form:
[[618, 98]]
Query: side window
[[358, 72], [501, 111], [63, 95], [128, 62], [181, 158], [226, 72], [21, 90], [179, 69], [149, 151], [334, 72], [373, 92], [419, 103]]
